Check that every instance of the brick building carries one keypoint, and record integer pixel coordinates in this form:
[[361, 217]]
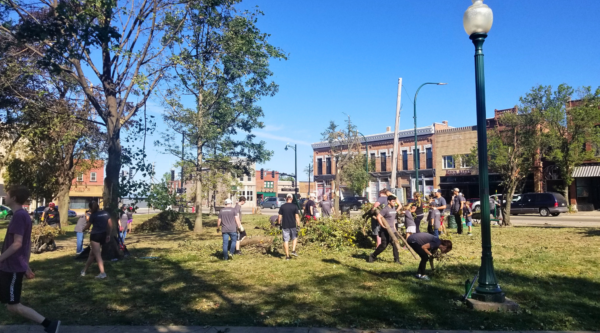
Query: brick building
[[87, 186], [380, 149], [267, 184]]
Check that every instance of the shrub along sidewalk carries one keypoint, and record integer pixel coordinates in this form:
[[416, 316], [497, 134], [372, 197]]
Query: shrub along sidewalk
[[177, 278]]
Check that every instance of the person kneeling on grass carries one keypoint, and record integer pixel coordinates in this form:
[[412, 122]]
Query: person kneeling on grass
[[14, 261], [230, 219], [289, 219], [425, 245]]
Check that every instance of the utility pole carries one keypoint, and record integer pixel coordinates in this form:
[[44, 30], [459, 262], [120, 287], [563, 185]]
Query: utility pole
[[182, 177], [396, 129]]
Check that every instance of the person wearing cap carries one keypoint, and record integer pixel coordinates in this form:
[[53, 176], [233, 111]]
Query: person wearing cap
[[425, 245], [433, 219], [43, 217], [52, 217], [441, 206], [389, 214], [457, 205], [326, 207], [310, 208], [378, 206], [231, 222], [289, 219], [241, 232]]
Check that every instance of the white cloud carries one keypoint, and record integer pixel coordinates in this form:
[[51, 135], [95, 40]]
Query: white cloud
[[280, 138]]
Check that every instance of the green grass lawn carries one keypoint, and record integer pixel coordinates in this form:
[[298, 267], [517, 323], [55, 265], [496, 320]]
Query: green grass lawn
[[554, 274]]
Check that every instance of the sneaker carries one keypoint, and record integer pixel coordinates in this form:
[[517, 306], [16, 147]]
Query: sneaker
[[294, 253], [53, 327], [101, 276], [418, 276], [370, 259], [288, 258], [82, 273], [469, 234], [238, 252], [424, 278]]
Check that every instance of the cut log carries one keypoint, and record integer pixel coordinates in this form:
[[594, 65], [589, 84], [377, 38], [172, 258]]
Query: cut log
[[257, 240]]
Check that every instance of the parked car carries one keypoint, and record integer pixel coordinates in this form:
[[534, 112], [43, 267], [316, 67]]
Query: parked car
[[545, 204], [272, 202], [497, 197], [5, 212], [37, 213], [354, 203]]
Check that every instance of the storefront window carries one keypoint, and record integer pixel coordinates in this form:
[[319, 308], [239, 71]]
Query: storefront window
[[448, 162]]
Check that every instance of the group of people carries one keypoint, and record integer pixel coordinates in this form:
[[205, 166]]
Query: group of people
[[383, 224], [313, 209]]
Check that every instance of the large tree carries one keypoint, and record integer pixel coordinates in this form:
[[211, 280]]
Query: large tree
[[344, 145], [355, 175], [222, 63], [116, 45], [569, 128]]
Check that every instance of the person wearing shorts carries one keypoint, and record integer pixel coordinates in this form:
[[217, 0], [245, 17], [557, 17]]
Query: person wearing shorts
[[241, 232], [468, 213], [289, 219], [14, 261], [101, 227], [378, 206], [409, 222]]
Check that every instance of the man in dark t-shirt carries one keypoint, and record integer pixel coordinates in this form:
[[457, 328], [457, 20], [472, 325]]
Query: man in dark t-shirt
[[228, 217], [378, 206], [289, 219], [14, 261], [425, 245], [456, 209], [309, 208], [388, 213]]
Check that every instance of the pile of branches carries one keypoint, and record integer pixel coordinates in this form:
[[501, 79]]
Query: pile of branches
[[42, 237], [167, 220]]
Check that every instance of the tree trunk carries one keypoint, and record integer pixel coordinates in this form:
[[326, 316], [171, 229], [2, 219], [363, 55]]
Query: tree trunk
[[506, 208], [335, 191], [111, 181], [63, 204], [566, 193], [198, 202]]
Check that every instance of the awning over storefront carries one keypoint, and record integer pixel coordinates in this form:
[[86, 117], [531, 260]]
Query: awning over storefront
[[586, 171], [266, 194]]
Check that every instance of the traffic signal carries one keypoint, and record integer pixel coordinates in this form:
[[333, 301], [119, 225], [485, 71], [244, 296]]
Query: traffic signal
[[172, 175], [273, 174], [262, 173]]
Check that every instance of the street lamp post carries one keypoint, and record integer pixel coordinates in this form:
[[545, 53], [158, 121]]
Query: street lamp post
[[477, 21], [416, 152], [294, 147], [367, 146]]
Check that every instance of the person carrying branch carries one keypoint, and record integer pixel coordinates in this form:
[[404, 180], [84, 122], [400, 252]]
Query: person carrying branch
[[425, 245], [387, 225]]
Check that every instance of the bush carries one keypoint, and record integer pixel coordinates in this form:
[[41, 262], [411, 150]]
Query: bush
[[167, 220], [335, 232]]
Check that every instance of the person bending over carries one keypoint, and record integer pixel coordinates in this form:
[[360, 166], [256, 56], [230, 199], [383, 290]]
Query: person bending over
[[425, 245]]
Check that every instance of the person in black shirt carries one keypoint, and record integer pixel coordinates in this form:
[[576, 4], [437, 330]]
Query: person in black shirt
[[310, 208], [425, 245], [52, 216], [388, 213], [289, 219], [101, 228]]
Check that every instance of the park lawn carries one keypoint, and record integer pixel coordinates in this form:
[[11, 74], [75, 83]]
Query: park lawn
[[553, 273]]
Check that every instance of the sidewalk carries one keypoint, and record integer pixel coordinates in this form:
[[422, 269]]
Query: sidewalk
[[224, 329]]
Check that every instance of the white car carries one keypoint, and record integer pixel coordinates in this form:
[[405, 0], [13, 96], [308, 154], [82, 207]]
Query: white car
[[476, 205]]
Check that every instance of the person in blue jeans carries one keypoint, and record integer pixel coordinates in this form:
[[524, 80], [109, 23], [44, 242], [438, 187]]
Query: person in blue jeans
[[230, 220], [123, 223], [79, 230]]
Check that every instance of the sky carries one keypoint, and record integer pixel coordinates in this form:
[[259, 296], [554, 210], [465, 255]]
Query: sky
[[345, 58]]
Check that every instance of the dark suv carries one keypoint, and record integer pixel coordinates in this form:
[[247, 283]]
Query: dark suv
[[545, 204], [354, 203]]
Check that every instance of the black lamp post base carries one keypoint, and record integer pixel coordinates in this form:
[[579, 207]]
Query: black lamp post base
[[493, 298]]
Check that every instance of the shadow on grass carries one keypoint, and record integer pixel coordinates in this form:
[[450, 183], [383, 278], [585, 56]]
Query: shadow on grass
[[590, 232], [348, 293]]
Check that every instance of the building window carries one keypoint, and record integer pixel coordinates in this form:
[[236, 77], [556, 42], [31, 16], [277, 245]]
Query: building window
[[448, 162], [383, 162], [416, 154], [464, 163], [319, 166], [249, 178], [328, 165], [80, 177], [404, 160], [92, 177], [269, 184], [429, 157], [78, 203]]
